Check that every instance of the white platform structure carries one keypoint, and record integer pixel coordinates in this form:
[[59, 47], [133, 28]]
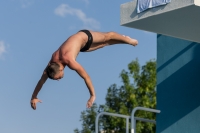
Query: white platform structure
[[180, 19]]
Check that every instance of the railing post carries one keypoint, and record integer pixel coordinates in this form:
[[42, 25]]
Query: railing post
[[127, 125], [96, 123]]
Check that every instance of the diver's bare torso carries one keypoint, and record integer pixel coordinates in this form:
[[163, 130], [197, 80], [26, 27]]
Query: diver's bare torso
[[70, 48]]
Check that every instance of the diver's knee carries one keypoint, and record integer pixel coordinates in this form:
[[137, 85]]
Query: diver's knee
[[109, 35]]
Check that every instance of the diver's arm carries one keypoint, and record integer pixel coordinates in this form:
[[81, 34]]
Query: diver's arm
[[39, 85], [34, 99], [80, 70]]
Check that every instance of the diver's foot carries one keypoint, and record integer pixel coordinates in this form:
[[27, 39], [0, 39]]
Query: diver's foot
[[132, 41]]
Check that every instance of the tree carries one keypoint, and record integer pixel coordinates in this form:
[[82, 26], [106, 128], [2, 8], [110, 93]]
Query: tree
[[88, 119], [138, 89]]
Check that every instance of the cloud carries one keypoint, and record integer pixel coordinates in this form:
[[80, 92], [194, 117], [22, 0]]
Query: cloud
[[2, 49], [63, 10], [26, 3]]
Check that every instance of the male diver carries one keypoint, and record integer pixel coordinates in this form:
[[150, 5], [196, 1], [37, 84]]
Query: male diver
[[82, 41]]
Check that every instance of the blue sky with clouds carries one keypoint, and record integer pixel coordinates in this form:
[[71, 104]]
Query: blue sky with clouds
[[30, 31]]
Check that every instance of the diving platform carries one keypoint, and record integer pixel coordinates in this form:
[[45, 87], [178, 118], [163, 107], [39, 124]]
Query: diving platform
[[179, 18]]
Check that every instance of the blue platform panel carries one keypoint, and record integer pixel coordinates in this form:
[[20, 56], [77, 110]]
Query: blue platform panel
[[178, 85]]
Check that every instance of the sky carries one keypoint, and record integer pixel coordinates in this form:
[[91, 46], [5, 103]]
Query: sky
[[30, 31]]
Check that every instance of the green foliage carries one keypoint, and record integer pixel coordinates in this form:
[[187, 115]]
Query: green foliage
[[138, 89]]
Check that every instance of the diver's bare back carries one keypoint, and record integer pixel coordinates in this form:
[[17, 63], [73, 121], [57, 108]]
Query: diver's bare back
[[70, 48]]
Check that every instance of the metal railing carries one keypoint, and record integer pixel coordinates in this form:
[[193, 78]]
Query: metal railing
[[132, 117], [111, 114]]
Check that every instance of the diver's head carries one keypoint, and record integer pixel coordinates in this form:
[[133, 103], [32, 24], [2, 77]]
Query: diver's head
[[55, 71]]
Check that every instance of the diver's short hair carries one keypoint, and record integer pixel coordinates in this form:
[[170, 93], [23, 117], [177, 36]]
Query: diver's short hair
[[52, 69]]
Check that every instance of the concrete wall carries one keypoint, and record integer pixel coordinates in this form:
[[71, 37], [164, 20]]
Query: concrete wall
[[178, 85]]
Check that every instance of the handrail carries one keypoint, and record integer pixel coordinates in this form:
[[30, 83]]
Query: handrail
[[111, 114], [133, 119], [146, 120]]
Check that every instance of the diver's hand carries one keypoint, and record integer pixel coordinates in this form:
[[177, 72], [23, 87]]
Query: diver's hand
[[90, 101], [34, 102]]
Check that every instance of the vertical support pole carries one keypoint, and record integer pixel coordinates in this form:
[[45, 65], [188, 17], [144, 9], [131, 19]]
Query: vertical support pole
[[96, 123], [134, 125], [127, 125]]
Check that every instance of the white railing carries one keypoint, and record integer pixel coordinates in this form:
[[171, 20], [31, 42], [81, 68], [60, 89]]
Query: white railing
[[111, 114], [132, 117]]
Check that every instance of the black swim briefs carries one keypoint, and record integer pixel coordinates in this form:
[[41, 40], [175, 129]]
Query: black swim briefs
[[89, 42]]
